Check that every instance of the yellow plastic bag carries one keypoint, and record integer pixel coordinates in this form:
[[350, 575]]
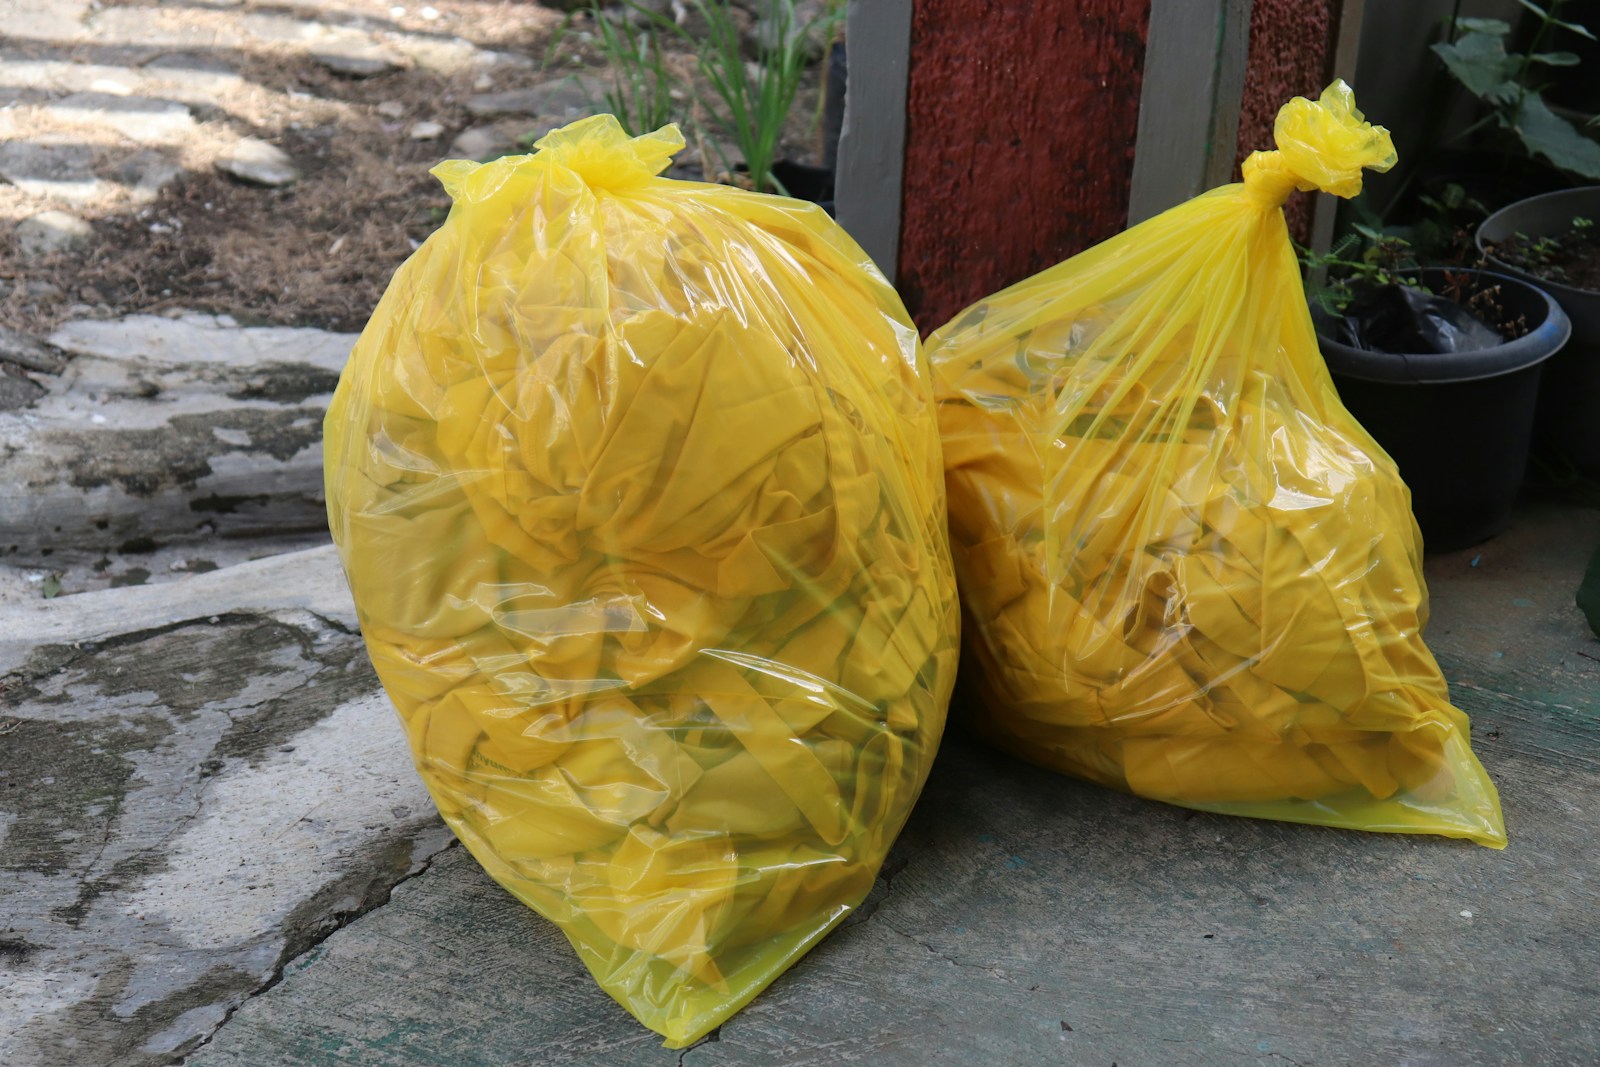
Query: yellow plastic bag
[[637, 486], [1187, 571]]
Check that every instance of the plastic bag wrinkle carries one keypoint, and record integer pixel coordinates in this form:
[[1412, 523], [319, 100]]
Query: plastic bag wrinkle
[[1187, 571], [638, 487]]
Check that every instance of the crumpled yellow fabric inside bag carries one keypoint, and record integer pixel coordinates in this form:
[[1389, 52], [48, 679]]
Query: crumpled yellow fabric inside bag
[[1186, 570], [638, 489]]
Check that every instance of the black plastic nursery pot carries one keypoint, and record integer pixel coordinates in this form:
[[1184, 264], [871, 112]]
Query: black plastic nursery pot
[[1458, 425], [1568, 422]]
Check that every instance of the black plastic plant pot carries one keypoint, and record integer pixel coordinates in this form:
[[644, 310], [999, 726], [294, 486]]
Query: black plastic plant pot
[[1459, 424], [1568, 422], [802, 181]]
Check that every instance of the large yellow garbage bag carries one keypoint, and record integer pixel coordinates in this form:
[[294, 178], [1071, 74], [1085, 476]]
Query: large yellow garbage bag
[[1187, 571], [637, 486]]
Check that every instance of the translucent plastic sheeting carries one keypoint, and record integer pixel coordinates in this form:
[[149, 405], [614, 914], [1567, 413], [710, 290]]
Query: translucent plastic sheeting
[[1187, 571], [637, 486]]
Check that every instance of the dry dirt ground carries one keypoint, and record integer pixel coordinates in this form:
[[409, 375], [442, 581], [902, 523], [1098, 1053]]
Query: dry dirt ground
[[117, 112]]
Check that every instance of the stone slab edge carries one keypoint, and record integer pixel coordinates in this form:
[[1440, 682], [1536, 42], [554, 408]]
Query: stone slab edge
[[309, 581]]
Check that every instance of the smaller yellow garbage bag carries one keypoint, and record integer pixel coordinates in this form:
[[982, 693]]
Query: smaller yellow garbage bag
[[637, 486], [1187, 571]]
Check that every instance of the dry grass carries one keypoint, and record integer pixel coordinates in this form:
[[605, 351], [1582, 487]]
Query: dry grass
[[319, 255]]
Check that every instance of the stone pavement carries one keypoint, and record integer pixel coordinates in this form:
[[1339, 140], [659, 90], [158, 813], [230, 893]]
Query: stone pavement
[[198, 780], [215, 847], [154, 447], [103, 105]]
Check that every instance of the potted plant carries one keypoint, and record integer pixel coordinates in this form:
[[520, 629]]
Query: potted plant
[[1554, 241], [1538, 237], [1441, 365]]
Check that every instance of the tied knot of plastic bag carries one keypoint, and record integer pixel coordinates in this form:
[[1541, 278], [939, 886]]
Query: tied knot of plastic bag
[[597, 149], [1322, 144]]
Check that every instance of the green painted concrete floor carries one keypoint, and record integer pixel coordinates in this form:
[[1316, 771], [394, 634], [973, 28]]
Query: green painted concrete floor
[[1027, 919]]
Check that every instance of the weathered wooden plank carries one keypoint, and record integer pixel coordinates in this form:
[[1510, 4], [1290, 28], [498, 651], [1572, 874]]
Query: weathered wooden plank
[[1194, 68], [873, 142]]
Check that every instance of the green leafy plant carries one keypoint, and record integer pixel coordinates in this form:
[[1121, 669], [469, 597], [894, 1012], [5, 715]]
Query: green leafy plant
[[1507, 84], [1363, 257], [1372, 251], [749, 103], [562, 49], [642, 85], [1444, 232]]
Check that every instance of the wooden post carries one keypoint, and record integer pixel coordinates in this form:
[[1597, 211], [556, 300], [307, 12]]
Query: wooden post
[[1346, 50], [1194, 70], [872, 146]]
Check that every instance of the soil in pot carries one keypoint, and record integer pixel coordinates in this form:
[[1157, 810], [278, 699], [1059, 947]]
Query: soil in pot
[[1457, 420], [1400, 318], [1536, 239], [1571, 258]]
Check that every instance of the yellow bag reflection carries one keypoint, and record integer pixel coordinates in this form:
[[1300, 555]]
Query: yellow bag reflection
[[637, 486], [1187, 571]]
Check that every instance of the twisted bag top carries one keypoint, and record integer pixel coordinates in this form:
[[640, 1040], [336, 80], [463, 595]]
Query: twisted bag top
[[637, 486], [1189, 572]]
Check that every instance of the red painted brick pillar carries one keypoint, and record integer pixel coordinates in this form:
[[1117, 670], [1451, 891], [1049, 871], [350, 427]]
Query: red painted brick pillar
[[1291, 51], [1020, 121]]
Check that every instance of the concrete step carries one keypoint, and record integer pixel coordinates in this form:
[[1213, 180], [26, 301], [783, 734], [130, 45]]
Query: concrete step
[[159, 429]]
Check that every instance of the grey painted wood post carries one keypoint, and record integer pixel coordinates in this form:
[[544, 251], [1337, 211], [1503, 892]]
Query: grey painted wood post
[[872, 145], [1346, 51], [1194, 69]]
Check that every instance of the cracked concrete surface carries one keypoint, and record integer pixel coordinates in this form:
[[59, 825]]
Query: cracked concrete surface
[[1025, 919], [197, 783], [214, 851]]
